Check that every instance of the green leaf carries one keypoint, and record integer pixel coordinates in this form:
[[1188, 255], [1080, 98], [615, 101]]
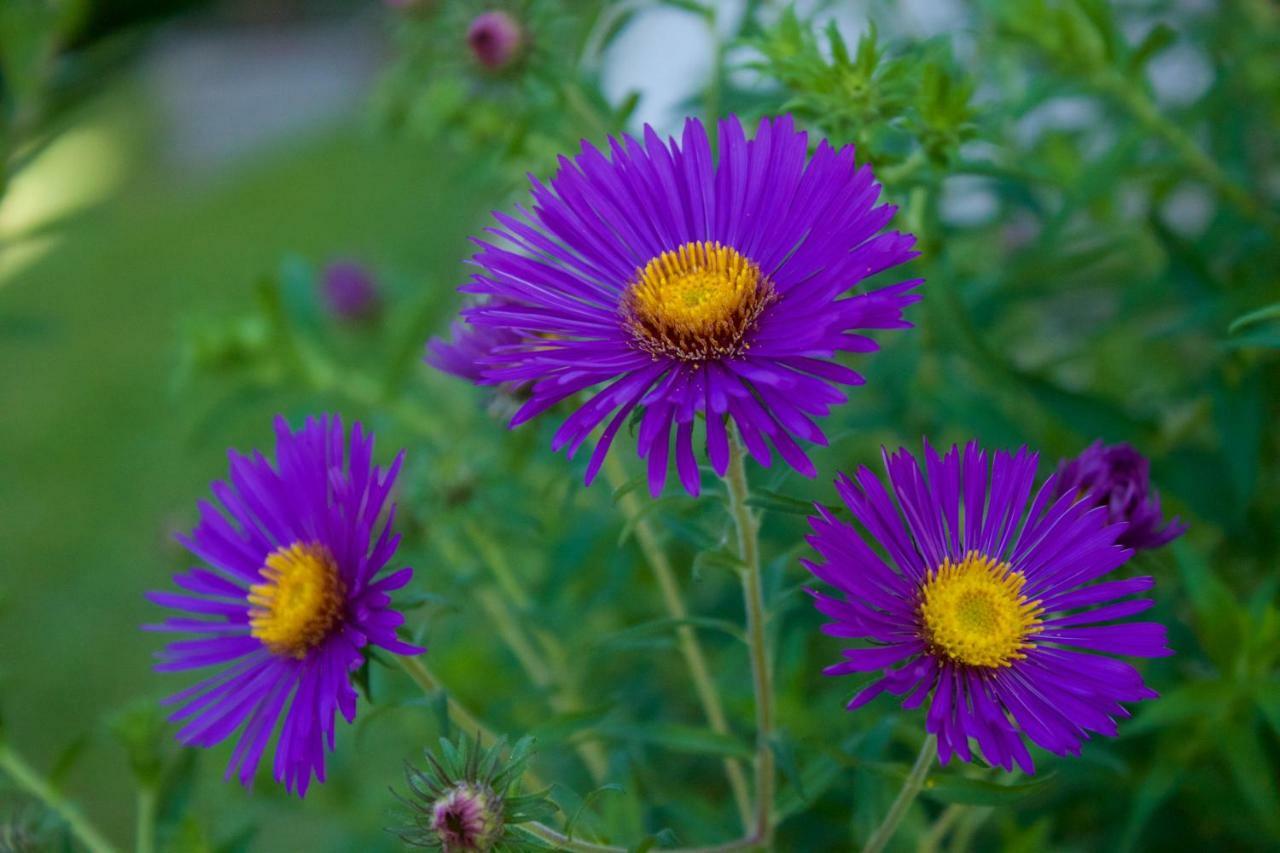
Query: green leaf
[[784, 751], [946, 788], [679, 738], [586, 804], [771, 501], [665, 837], [67, 760], [663, 626], [717, 558], [1157, 39], [1269, 312], [817, 777]]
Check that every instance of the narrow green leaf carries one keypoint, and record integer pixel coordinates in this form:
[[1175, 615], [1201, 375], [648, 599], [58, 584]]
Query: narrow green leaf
[[1156, 40], [679, 738], [771, 501], [784, 751], [662, 626], [586, 804], [946, 788], [1269, 312]]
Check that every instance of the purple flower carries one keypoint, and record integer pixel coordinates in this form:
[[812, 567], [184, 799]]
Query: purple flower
[[977, 603], [1119, 478], [687, 287], [470, 346], [495, 39], [350, 292], [286, 599]]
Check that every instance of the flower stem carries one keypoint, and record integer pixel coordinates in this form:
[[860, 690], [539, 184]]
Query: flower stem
[[546, 668], [690, 647], [748, 527], [146, 840], [40, 788], [911, 787], [461, 717], [938, 831]]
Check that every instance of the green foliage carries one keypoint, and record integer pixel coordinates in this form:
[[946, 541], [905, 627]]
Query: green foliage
[[1070, 296]]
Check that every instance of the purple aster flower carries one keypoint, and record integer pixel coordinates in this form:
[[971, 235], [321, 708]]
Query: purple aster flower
[[1119, 478], [977, 602], [350, 292], [686, 286], [287, 598], [495, 39]]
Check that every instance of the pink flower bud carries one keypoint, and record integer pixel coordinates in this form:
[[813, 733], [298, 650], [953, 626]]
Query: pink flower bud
[[495, 39]]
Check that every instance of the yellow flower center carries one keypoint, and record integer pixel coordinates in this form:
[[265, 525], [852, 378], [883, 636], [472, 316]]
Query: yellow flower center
[[696, 303], [300, 602], [973, 612]]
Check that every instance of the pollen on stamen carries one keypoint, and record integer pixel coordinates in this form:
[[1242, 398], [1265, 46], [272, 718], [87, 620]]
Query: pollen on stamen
[[300, 602], [973, 612], [698, 302]]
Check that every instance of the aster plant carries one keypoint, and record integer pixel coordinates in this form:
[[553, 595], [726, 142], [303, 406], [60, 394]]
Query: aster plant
[[290, 595], [678, 305], [697, 290]]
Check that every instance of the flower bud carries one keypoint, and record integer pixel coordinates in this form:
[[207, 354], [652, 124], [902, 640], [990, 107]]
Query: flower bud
[[350, 292], [463, 802], [495, 39], [467, 819], [1118, 477]]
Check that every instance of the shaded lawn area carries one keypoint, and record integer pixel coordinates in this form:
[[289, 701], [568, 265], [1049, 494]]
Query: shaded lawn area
[[98, 462]]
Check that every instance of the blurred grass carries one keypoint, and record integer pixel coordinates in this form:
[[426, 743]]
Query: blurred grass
[[98, 465]]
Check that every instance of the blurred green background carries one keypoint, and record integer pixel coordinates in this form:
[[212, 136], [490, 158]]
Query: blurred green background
[[190, 166]]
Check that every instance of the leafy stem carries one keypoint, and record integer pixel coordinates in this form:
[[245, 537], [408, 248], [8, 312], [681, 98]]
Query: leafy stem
[[690, 647], [748, 529]]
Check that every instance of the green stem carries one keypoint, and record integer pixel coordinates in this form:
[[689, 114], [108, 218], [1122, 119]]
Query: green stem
[[690, 647], [430, 685], [146, 840], [972, 821], [564, 699], [949, 817], [748, 527], [1140, 106], [910, 788], [40, 788]]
